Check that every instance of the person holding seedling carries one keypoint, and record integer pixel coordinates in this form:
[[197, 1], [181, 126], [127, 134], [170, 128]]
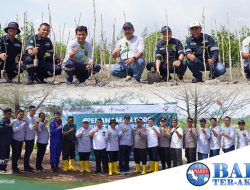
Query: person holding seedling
[[78, 60], [215, 138], [84, 145], [228, 136], [242, 135], [175, 57], [40, 60], [130, 50], [195, 46], [10, 50], [203, 137]]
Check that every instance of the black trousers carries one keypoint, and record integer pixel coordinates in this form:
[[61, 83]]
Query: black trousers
[[165, 156], [84, 156], [29, 145], [68, 150], [124, 151], [153, 154], [113, 156], [140, 155], [176, 156], [16, 151], [41, 149], [4, 155], [190, 154], [101, 158]]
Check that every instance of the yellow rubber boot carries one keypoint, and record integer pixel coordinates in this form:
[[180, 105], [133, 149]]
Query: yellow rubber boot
[[72, 165], [81, 166], [137, 168], [115, 170], [65, 165], [156, 166], [86, 167], [151, 167], [144, 169], [110, 168]]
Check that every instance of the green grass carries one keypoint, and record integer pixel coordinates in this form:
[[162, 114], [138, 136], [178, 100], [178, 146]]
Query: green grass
[[25, 183]]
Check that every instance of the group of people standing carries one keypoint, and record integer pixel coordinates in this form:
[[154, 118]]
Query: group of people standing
[[112, 146]]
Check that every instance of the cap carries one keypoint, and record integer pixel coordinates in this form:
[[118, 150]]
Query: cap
[[113, 121], [128, 25], [241, 122], [194, 24], [85, 120], [12, 25], [203, 120], [7, 110], [126, 117], [163, 119], [151, 118], [166, 29], [138, 119], [57, 112]]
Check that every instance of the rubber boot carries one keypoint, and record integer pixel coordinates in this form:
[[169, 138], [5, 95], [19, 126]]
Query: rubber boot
[[156, 166], [110, 168], [86, 167], [144, 169], [115, 170], [65, 165], [151, 167], [72, 165], [137, 168], [81, 166]]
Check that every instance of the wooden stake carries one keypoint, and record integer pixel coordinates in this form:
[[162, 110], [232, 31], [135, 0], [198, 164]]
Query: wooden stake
[[240, 52], [204, 43], [229, 50]]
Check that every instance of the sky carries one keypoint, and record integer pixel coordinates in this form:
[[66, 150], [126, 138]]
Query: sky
[[142, 13]]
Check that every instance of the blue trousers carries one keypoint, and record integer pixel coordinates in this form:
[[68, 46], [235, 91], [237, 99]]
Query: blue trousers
[[180, 71], [216, 70], [229, 149], [124, 155], [55, 150], [134, 70]]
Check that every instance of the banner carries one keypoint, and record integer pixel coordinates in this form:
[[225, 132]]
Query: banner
[[107, 112]]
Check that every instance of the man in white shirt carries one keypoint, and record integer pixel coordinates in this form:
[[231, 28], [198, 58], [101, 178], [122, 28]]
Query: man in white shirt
[[203, 136], [242, 134], [228, 136], [215, 138], [153, 134], [130, 50], [100, 139], [246, 56], [78, 60], [30, 129], [176, 143]]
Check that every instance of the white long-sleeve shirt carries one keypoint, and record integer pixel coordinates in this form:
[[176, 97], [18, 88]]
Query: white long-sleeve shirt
[[241, 140], [152, 137], [203, 141], [29, 129], [228, 142], [100, 138], [18, 130], [215, 142]]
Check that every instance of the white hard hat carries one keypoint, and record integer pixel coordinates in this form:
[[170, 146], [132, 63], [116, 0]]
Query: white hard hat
[[194, 24]]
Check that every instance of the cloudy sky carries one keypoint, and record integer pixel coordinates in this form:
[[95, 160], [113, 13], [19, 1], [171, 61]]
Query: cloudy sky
[[142, 13]]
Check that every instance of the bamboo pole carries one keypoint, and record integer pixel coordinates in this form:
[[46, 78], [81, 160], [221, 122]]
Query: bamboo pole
[[217, 38], [223, 51], [111, 47], [102, 49], [94, 30], [204, 43], [229, 50], [167, 53], [240, 52]]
